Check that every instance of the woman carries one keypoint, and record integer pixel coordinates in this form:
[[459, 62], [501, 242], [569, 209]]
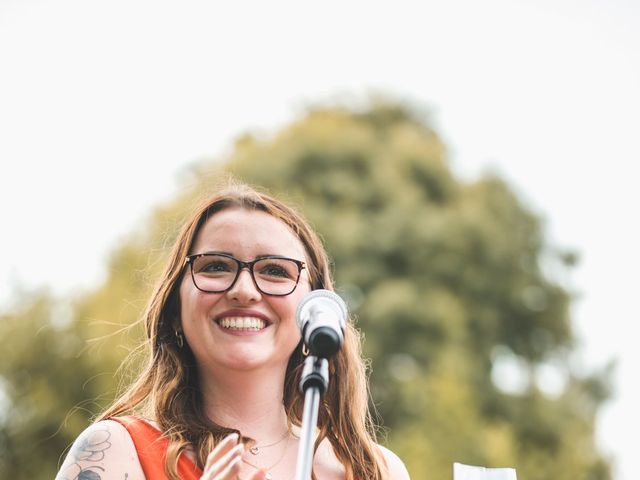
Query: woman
[[218, 399]]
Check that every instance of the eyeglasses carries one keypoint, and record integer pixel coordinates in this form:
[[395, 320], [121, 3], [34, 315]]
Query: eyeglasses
[[218, 272]]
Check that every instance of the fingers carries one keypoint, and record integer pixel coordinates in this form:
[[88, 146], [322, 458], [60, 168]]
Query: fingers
[[230, 472], [223, 447], [224, 460], [259, 475]]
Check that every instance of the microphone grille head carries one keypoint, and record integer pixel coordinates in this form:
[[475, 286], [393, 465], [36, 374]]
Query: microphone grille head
[[325, 296]]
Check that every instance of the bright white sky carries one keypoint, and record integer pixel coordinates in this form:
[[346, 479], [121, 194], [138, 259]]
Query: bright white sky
[[103, 104]]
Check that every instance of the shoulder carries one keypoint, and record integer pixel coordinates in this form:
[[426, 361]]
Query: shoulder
[[326, 464], [103, 451], [396, 467]]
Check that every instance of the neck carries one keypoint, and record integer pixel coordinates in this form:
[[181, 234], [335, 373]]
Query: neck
[[248, 401]]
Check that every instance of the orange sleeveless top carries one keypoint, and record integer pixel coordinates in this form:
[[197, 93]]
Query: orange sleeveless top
[[151, 446]]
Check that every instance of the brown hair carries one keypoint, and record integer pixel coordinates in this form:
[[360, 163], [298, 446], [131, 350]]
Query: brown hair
[[167, 390]]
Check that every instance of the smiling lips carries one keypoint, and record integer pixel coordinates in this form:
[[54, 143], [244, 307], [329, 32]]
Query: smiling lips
[[242, 323]]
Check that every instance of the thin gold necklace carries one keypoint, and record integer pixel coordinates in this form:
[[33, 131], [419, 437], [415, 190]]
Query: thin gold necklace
[[255, 450], [268, 475]]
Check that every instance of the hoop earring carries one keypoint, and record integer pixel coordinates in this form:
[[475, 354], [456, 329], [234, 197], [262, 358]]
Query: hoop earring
[[179, 339], [305, 350]]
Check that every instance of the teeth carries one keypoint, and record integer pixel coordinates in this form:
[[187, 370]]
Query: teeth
[[243, 323]]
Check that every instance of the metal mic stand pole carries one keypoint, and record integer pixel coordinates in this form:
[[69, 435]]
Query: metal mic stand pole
[[314, 382]]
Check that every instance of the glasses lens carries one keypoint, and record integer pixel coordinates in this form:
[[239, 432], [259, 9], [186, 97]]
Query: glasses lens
[[276, 276], [213, 273]]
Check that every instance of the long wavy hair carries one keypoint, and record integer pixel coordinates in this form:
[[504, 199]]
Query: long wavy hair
[[167, 389]]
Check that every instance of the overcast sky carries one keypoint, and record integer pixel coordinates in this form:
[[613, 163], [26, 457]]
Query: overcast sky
[[104, 103]]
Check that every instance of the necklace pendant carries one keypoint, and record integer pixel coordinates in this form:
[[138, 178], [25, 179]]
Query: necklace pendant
[[254, 450], [268, 476]]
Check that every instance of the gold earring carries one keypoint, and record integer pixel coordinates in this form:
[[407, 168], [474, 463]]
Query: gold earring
[[305, 350], [179, 339]]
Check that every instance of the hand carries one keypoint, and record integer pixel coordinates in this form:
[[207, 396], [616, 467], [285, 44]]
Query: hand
[[223, 463]]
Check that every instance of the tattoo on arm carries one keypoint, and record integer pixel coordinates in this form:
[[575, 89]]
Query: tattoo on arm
[[89, 448]]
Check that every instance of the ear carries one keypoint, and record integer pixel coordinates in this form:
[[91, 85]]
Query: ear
[[176, 324], [175, 321]]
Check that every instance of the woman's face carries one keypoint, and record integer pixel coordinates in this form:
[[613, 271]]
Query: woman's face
[[242, 328]]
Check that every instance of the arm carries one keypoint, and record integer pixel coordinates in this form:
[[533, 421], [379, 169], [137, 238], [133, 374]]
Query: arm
[[104, 451], [397, 470]]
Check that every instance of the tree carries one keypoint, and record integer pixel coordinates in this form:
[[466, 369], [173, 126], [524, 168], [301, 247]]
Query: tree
[[441, 275]]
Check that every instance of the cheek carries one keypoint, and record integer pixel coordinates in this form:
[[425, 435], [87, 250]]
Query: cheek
[[186, 298], [288, 329], [286, 307], [193, 300]]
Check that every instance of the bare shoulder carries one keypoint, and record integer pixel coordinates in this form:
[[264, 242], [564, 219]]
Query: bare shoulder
[[326, 465], [397, 470], [104, 451]]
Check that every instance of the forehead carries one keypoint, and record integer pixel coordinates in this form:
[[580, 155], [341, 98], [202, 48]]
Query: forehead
[[247, 234]]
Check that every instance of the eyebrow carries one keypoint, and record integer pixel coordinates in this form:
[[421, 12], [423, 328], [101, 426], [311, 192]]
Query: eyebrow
[[215, 252]]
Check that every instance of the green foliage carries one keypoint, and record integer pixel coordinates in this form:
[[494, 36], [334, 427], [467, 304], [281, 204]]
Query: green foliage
[[439, 273], [42, 380]]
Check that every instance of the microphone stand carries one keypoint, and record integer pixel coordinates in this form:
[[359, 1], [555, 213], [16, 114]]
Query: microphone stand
[[314, 383]]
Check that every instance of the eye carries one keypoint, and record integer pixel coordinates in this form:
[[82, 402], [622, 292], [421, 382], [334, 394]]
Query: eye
[[275, 271], [215, 267], [212, 265], [277, 268]]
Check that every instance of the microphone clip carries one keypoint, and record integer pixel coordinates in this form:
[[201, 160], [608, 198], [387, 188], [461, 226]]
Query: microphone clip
[[315, 373]]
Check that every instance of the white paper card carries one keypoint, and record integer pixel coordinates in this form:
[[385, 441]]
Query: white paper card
[[468, 472]]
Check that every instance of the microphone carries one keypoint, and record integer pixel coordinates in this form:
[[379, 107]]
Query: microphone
[[321, 317]]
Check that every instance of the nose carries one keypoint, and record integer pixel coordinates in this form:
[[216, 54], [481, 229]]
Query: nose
[[244, 290]]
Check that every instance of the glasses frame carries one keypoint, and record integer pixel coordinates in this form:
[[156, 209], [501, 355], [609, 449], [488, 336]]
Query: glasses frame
[[241, 266]]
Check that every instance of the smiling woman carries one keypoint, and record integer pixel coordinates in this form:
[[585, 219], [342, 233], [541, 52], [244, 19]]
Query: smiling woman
[[218, 398], [225, 298]]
